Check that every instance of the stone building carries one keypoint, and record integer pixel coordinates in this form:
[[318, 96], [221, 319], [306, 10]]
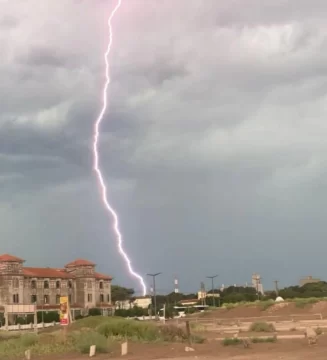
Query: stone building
[[78, 280]]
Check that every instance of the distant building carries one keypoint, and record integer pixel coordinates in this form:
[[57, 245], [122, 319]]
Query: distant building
[[309, 280], [143, 302], [43, 287], [256, 283]]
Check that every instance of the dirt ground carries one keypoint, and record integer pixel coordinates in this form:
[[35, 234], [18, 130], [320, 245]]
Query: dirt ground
[[282, 310], [290, 349], [282, 350]]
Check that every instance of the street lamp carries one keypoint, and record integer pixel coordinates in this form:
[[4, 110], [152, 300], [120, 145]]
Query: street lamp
[[212, 288], [154, 292]]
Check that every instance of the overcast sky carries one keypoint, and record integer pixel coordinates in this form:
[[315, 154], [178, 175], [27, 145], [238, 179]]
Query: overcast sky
[[213, 146]]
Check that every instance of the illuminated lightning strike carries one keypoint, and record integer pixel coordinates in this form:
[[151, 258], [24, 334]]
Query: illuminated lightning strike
[[97, 169]]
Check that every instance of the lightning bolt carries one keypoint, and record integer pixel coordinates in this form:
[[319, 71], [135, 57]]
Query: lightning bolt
[[97, 168]]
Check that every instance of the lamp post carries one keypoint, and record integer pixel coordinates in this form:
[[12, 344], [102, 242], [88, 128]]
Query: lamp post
[[154, 292], [212, 288]]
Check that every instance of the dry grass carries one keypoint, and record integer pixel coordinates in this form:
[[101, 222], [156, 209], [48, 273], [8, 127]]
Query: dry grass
[[100, 331]]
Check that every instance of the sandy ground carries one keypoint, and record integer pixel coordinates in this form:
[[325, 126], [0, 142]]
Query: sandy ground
[[282, 350]]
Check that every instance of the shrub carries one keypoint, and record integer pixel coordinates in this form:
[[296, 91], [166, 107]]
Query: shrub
[[261, 327], [270, 339], [231, 341], [129, 329], [28, 340], [264, 305], [318, 331], [83, 340]]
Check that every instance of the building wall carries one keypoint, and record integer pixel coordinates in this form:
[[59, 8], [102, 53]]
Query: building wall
[[83, 288]]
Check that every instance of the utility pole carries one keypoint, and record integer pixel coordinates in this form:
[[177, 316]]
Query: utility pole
[[212, 288], [276, 287], [154, 292]]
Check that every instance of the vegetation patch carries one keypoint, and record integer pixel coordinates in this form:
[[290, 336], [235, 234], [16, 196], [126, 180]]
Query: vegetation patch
[[269, 339], [231, 341], [261, 326], [97, 330]]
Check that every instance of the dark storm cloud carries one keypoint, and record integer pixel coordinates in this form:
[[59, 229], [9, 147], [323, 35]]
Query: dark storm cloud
[[41, 56], [213, 144], [8, 22]]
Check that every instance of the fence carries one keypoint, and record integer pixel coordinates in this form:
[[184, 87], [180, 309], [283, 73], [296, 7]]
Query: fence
[[31, 326]]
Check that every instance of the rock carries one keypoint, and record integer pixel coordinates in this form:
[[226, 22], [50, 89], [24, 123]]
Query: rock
[[187, 348]]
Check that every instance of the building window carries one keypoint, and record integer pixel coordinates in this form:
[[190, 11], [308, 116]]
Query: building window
[[46, 299], [57, 299], [69, 299], [108, 298], [33, 284], [57, 284], [33, 299], [15, 298], [101, 284], [101, 298], [70, 284], [89, 297], [46, 284], [16, 283]]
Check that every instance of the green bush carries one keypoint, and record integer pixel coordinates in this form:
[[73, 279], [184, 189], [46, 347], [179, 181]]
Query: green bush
[[264, 305], [123, 328], [28, 340], [261, 327], [231, 341], [270, 339], [84, 339]]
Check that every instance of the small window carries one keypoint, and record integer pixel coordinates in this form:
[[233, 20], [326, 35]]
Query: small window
[[89, 297], [57, 299], [33, 299], [46, 284], [58, 284], [33, 284], [101, 284], [101, 298], [70, 284], [15, 298], [108, 298]]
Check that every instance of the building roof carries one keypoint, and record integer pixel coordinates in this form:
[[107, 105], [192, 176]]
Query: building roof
[[10, 258], [80, 262], [102, 276], [46, 273]]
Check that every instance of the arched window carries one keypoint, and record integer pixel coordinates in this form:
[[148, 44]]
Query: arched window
[[101, 284]]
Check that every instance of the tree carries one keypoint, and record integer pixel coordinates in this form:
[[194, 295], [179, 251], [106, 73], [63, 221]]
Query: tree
[[119, 293]]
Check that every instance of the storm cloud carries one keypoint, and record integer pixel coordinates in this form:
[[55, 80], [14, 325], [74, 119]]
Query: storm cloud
[[213, 146]]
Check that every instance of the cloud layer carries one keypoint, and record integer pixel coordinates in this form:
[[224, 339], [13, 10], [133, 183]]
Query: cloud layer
[[213, 145]]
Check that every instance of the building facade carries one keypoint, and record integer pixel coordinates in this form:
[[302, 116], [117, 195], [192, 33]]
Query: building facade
[[78, 280], [309, 280]]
